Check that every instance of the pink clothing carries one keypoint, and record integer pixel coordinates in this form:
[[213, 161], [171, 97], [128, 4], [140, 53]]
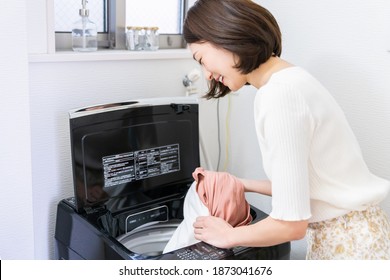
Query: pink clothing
[[223, 194], [212, 193]]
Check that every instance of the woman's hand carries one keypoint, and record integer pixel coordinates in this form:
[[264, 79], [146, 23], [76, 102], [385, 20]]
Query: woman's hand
[[213, 230], [264, 233]]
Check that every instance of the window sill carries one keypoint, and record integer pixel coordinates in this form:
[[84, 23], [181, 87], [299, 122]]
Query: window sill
[[110, 55]]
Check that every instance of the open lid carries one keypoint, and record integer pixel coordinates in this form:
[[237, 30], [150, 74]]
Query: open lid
[[129, 154]]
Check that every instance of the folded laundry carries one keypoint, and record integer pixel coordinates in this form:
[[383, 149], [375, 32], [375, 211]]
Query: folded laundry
[[212, 193]]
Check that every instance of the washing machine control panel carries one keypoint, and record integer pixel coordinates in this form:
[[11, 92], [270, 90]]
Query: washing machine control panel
[[200, 251]]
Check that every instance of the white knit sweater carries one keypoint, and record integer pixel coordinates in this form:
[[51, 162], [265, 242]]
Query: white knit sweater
[[309, 151]]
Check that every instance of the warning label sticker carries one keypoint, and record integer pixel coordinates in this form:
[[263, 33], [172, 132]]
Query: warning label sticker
[[128, 167]]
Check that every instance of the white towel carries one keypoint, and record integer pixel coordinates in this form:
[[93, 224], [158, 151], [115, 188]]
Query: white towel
[[184, 234], [219, 194]]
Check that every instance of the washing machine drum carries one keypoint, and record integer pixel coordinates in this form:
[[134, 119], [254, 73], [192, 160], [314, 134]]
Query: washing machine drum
[[149, 240]]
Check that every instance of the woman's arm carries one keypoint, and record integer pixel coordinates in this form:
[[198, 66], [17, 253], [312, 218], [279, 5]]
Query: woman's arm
[[257, 186], [267, 232]]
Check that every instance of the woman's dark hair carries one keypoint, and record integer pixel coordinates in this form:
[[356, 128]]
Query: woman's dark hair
[[240, 26]]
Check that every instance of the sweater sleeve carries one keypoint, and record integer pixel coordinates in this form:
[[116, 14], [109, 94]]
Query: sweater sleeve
[[284, 127]]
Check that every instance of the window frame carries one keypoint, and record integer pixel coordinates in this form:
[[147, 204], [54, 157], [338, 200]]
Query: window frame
[[115, 37]]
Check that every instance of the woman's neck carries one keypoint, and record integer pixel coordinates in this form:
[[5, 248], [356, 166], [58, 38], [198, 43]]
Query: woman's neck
[[260, 76]]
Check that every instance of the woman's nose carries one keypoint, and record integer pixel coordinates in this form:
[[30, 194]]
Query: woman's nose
[[207, 74]]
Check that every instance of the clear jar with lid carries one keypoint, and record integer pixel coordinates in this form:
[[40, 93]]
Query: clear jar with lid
[[135, 38], [130, 43], [140, 38], [152, 38]]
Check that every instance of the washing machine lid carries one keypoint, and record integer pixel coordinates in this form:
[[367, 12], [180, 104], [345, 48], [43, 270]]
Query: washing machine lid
[[131, 153]]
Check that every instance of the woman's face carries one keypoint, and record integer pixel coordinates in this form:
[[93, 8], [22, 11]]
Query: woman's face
[[218, 64]]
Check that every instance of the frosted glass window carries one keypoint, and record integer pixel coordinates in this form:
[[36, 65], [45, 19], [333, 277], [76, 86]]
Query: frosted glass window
[[165, 14], [115, 15], [67, 12]]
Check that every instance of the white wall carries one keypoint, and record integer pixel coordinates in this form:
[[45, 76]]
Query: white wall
[[16, 220], [343, 43]]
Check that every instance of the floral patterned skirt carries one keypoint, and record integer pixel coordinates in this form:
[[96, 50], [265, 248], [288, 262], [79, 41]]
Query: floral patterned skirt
[[358, 235]]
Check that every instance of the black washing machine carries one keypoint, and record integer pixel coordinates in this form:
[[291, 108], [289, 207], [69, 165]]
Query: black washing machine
[[132, 165]]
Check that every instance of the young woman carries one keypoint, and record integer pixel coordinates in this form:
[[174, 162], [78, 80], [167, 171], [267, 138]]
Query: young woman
[[320, 185]]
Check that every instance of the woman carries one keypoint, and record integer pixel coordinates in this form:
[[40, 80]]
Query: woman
[[319, 182]]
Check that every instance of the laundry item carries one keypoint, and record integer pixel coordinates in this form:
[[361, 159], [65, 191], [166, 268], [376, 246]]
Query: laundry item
[[218, 194]]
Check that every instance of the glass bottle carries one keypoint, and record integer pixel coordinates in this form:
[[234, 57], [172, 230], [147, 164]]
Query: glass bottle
[[130, 40], [84, 32], [140, 38], [154, 39]]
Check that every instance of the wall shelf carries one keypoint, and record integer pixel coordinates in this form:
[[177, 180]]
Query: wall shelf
[[109, 55]]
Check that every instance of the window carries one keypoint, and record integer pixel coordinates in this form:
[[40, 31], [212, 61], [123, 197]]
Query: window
[[67, 12], [156, 13], [112, 17]]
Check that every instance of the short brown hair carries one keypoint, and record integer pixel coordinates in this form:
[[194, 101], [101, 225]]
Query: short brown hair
[[240, 26]]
